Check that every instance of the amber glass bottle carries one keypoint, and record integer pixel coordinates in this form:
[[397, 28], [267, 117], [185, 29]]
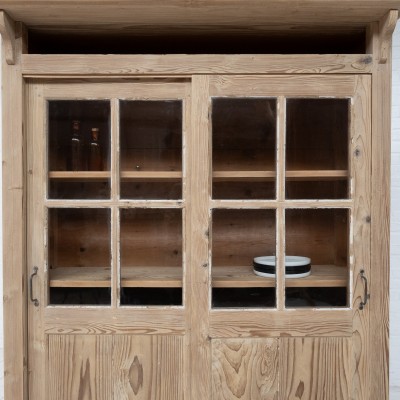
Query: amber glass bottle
[[76, 147], [95, 156]]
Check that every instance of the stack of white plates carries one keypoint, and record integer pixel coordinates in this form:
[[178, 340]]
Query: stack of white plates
[[295, 266]]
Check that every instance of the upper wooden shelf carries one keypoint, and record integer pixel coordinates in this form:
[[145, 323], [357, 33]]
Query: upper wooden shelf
[[222, 277]]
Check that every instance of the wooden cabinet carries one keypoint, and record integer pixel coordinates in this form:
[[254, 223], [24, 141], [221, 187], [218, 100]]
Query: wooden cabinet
[[197, 226]]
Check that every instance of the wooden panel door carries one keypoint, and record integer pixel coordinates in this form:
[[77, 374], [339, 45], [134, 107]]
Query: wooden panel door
[[283, 234], [108, 214]]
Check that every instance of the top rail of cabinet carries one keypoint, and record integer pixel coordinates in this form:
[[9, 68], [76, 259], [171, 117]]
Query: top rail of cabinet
[[82, 66]]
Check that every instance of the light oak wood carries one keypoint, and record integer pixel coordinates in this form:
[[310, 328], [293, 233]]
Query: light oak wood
[[131, 65], [7, 31], [215, 14], [116, 367], [14, 227], [105, 320], [199, 156], [380, 227], [86, 373], [321, 276], [80, 277], [245, 369], [315, 368], [273, 323], [280, 85], [80, 175], [387, 24]]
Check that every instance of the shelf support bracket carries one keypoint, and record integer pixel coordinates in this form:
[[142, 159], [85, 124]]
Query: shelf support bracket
[[386, 29], [7, 30]]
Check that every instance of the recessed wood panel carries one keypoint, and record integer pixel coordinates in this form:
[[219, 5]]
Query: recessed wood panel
[[123, 367], [79, 367], [245, 369], [148, 368], [315, 368]]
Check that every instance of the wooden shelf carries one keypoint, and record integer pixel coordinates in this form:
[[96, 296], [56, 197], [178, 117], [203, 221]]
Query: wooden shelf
[[80, 175], [293, 175], [151, 175], [242, 277], [80, 277], [222, 277], [130, 277], [151, 277]]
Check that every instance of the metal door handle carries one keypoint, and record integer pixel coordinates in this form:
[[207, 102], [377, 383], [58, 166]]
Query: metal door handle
[[34, 301], [366, 294]]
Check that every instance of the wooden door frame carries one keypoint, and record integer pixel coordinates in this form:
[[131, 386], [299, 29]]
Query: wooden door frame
[[378, 63]]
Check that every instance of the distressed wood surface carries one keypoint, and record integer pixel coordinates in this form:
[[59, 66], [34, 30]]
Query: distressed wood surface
[[280, 85], [315, 368], [245, 369], [215, 14], [130, 65], [14, 228], [243, 276], [90, 320], [307, 322], [147, 368], [199, 286], [80, 367]]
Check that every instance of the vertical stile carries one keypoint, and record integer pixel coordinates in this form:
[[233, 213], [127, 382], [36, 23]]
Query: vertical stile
[[115, 215], [186, 215], [199, 275], [280, 214]]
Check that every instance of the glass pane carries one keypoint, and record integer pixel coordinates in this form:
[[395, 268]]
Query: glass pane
[[79, 256], [317, 257], [79, 149], [238, 237], [317, 140], [244, 142], [151, 149], [151, 256]]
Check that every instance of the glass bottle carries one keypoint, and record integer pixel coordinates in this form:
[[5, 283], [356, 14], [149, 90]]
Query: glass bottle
[[95, 158], [76, 147]]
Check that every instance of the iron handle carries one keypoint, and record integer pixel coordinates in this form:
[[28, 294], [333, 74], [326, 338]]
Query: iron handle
[[34, 273], [366, 294]]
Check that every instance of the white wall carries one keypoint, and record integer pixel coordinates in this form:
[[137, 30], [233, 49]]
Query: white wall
[[395, 227], [395, 235]]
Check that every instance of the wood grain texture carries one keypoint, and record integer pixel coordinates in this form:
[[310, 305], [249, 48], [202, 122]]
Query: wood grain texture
[[243, 276], [315, 368], [90, 321], [131, 65], [272, 323], [280, 85], [199, 167], [245, 369], [209, 13], [147, 368], [360, 251], [14, 229], [79, 367]]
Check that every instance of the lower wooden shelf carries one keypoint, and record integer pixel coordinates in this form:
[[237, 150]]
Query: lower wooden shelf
[[162, 277], [244, 277]]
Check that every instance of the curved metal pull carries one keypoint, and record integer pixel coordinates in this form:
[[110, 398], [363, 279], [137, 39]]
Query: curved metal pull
[[366, 294], [34, 301]]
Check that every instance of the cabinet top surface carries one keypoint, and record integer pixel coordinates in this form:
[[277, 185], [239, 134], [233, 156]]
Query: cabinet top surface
[[267, 14]]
